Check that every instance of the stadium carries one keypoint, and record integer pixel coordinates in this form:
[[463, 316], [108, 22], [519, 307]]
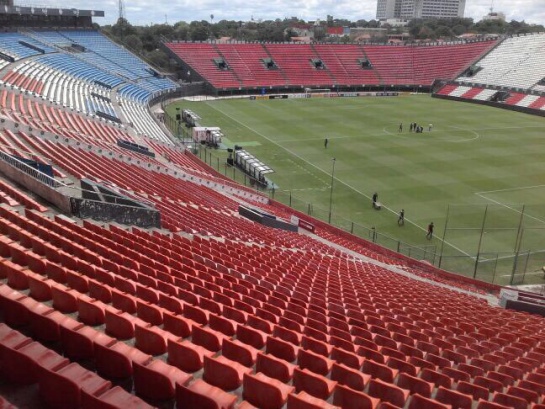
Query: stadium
[[154, 253]]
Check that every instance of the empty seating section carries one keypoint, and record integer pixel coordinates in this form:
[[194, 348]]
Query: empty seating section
[[486, 94], [30, 111], [117, 59], [217, 311], [295, 60], [10, 44], [200, 56], [319, 325], [342, 64], [345, 63], [71, 65], [247, 61], [517, 62], [60, 88], [85, 80], [138, 116]]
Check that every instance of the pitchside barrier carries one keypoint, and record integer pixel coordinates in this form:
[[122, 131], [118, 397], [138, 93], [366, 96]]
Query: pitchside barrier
[[499, 244]]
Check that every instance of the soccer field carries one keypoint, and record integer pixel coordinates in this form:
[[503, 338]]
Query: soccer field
[[478, 174]]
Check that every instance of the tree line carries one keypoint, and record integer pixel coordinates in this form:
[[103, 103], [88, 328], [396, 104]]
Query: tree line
[[146, 41]]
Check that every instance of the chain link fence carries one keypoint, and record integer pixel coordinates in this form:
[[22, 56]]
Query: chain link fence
[[492, 243]]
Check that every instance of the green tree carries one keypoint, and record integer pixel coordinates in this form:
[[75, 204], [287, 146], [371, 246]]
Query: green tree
[[134, 43], [199, 30]]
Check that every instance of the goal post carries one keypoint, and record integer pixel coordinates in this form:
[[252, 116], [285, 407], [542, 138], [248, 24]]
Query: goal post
[[317, 92]]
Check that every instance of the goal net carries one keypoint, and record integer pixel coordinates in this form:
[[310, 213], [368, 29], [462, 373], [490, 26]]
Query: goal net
[[317, 92]]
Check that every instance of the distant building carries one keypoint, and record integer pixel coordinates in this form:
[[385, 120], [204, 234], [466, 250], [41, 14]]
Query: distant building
[[409, 9], [367, 34], [394, 22], [338, 31], [388, 9], [495, 15]]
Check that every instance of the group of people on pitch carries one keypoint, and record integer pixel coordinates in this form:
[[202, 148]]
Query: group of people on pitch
[[401, 217]]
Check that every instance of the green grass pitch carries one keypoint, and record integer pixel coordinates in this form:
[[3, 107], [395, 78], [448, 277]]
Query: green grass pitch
[[474, 156]]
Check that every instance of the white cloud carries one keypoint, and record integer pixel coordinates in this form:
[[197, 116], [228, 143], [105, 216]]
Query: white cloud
[[145, 12]]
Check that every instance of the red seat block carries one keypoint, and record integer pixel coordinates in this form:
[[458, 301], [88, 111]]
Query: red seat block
[[265, 392], [90, 311], [379, 371], [251, 336], [79, 343], [152, 340], [119, 324], [415, 385], [350, 377], [239, 352], [532, 386], [402, 366], [483, 404], [348, 398], [436, 378], [420, 402], [156, 380], [347, 358], [274, 367], [305, 401], [314, 345], [64, 299], [528, 394], [476, 391], [187, 356], [46, 327], [223, 373], [456, 399], [62, 389], [201, 395], [314, 362], [388, 392], [177, 325], [316, 385], [490, 384], [40, 287], [115, 398], [222, 324], [149, 313], [115, 361], [22, 361], [510, 401], [207, 337], [281, 349]]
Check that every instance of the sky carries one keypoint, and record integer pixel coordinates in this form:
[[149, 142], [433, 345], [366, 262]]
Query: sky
[[149, 12]]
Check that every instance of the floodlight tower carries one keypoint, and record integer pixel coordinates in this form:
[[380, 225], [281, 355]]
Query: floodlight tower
[[121, 18], [121, 6]]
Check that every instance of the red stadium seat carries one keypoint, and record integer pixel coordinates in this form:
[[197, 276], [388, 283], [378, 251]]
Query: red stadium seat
[[186, 355], [62, 388], [223, 373], [155, 380], [348, 398], [316, 385], [388, 392], [265, 392], [200, 395], [305, 401]]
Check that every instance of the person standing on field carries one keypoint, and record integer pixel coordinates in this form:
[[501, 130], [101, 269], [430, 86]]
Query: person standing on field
[[401, 219], [430, 231]]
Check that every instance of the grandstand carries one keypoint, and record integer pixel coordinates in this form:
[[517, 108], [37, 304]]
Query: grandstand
[[510, 76], [208, 309], [341, 66]]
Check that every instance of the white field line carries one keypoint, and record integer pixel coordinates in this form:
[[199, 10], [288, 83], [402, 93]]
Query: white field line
[[337, 180]]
